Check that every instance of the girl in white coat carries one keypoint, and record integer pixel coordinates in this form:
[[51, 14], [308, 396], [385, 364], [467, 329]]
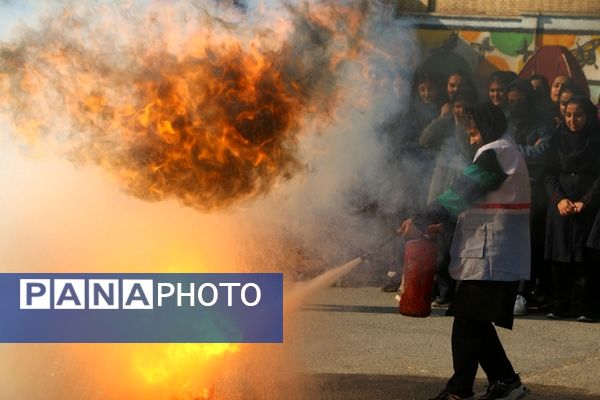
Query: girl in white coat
[[490, 254]]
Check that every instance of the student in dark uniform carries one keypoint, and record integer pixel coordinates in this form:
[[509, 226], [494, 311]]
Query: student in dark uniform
[[573, 185]]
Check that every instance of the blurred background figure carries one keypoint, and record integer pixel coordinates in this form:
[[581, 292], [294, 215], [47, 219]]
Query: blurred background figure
[[498, 88], [447, 136], [532, 132]]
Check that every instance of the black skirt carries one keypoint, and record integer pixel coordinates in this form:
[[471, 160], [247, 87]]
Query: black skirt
[[492, 301]]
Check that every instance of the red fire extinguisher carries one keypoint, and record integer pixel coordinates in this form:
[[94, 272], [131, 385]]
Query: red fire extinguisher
[[420, 260]]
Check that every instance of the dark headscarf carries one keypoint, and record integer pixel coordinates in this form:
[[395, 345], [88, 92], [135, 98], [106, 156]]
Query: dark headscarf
[[465, 96], [545, 85], [573, 88], [489, 119], [467, 84], [577, 151], [524, 87], [436, 81], [591, 125], [502, 77]]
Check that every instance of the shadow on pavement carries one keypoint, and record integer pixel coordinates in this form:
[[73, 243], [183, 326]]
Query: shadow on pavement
[[435, 312], [351, 309], [403, 387]]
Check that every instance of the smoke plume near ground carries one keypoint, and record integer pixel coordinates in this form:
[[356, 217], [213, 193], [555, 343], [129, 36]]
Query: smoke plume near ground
[[264, 118]]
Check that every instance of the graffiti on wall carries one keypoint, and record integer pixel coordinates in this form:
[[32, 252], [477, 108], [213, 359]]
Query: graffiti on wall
[[481, 52]]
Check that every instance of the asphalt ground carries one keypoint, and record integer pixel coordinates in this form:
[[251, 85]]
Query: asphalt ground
[[355, 345]]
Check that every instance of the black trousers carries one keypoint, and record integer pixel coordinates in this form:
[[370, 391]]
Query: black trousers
[[541, 276], [573, 288], [444, 282], [476, 343]]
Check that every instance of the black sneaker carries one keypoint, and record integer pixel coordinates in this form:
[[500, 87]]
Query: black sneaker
[[584, 318], [506, 390], [448, 396], [552, 315]]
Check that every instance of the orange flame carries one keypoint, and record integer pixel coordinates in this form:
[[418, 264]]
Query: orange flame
[[182, 367], [211, 123], [206, 117]]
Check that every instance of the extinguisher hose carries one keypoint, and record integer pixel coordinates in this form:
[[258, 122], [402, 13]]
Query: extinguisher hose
[[387, 241], [366, 256], [381, 245]]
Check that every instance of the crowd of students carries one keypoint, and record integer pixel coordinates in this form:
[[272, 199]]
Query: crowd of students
[[555, 126]]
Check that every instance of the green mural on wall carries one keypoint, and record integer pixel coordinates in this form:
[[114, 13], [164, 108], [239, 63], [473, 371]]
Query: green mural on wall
[[512, 43], [443, 63]]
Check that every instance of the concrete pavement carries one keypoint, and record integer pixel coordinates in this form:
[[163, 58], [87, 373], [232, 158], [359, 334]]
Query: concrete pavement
[[356, 346]]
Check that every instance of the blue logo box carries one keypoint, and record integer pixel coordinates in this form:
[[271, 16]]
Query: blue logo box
[[141, 308]]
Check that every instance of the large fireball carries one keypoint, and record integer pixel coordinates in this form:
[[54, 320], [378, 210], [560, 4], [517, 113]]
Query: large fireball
[[207, 113]]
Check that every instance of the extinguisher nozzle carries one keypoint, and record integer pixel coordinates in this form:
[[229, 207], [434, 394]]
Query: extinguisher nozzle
[[367, 257]]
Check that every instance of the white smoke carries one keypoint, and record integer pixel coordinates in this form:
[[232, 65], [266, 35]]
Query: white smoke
[[327, 210]]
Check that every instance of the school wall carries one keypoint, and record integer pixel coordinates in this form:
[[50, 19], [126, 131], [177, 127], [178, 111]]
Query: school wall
[[500, 7], [484, 43], [515, 7]]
